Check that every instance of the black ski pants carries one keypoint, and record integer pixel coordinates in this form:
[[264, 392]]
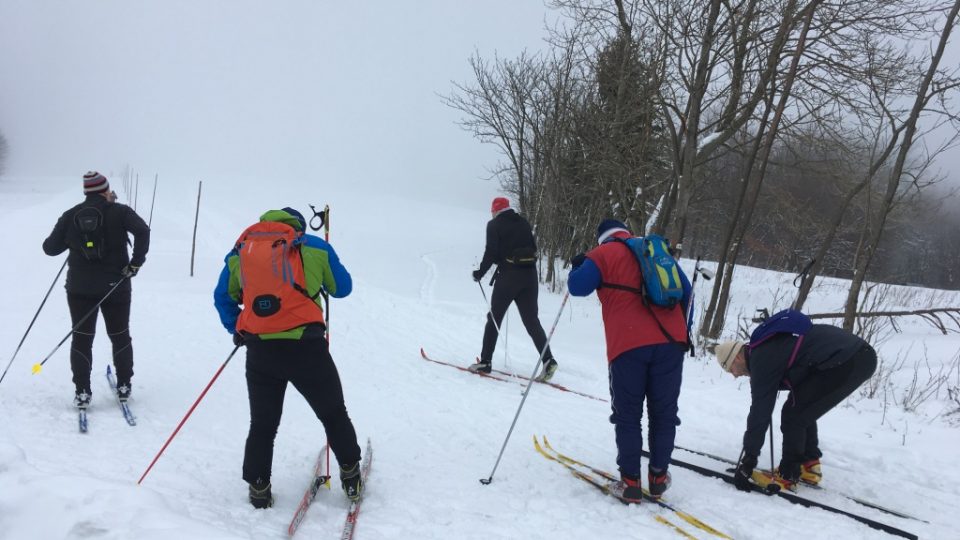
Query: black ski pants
[[116, 317], [812, 398], [307, 364], [517, 285]]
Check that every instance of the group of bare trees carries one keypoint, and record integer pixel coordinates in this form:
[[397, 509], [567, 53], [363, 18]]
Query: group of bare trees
[[783, 133]]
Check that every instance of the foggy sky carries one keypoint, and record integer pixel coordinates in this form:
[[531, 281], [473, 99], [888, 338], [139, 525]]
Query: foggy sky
[[332, 91], [342, 91]]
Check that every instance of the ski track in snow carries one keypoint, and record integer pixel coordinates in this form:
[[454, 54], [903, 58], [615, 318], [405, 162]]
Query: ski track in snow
[[436, 430]]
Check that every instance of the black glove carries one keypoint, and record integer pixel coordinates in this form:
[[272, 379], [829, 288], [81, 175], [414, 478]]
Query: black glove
[[129, 271], [577, 260], [238, 339], [477, 275], [744, 472]]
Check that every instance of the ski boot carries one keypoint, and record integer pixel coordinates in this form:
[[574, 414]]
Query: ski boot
[[480, 367], [123, 392], [810, 472], [351, 481], [659, 482], [82, 399], [627, 489], [260, 496], [549, 368]]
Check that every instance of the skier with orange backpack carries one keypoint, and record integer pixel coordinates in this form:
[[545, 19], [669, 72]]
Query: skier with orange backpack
[[279, 274]]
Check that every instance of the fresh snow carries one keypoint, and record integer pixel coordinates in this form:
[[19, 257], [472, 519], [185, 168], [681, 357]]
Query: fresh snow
[[436, 430]]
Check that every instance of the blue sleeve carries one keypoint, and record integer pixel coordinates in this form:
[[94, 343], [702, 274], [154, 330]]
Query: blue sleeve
[[584, 279], [341, 278], [227, 307]]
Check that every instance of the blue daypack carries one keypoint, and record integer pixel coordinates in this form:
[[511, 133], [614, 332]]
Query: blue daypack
[[660, 274]]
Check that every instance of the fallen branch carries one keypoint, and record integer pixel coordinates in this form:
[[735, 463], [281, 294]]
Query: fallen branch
[[933, 316]]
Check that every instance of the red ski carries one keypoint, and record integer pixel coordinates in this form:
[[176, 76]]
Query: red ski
[[319, 479], [350, 524], [506, 376]]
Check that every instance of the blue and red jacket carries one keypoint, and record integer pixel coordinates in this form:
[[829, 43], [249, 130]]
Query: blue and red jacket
[[628, 323]]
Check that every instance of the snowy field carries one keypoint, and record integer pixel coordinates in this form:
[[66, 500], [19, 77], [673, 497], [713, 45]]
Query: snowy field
[[435, 430]]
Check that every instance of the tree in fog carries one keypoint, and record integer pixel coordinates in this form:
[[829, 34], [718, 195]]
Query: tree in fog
[[4, 148]]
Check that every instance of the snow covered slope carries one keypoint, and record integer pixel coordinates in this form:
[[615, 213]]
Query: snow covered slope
[[436, 430]]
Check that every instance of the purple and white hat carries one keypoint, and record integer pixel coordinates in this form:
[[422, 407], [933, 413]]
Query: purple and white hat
[[94, 182]]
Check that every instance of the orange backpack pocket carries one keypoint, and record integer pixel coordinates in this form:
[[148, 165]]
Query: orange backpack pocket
[[272, 280]]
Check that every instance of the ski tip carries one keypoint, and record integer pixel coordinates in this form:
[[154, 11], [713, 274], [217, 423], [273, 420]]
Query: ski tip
[[36, 368]]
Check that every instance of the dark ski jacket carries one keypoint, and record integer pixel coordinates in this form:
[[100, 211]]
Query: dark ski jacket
[[824, 347], [510, 242], [96, 278]]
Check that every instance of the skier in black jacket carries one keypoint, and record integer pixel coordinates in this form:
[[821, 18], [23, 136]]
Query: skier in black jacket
[[511, 246], [828, 366], [95, 232]]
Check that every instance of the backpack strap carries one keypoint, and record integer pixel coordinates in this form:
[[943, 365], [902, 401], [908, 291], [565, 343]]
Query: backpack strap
[[643, 298], [790, 362]]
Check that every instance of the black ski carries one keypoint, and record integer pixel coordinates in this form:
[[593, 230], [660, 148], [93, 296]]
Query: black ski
[[795, 499], [816, 487]]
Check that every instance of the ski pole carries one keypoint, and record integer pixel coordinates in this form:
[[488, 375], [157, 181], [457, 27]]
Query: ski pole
[[324, 217], [489, 307], [487, 481], [35, 315], [326, 300], [772, 487], [38, 366], [495, 325], [693, 292], [189, 412]]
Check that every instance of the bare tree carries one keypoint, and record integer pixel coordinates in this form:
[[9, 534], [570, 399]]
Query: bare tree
[[929, 80], [4, 150]]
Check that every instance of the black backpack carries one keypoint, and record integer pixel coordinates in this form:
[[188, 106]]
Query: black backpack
[[88, 224]]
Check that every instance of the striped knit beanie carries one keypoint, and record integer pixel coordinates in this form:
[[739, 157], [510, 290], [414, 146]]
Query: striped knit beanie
[[609, 226], [94, 182]]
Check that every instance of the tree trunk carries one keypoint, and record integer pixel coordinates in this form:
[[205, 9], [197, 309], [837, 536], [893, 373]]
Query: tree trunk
[[893, 182]]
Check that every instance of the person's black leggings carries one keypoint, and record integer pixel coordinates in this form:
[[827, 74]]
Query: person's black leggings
[[307, 364], [812, 398], [514, 285], [116, 317]]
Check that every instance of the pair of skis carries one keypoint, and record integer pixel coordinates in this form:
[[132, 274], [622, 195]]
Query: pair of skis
[[506, 376], [816, 487], [124, 406], [793, 498], [321, 478], [601, 480]]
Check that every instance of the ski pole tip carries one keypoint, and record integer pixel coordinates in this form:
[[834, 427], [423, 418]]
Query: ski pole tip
[[486, 481], [36, 368]]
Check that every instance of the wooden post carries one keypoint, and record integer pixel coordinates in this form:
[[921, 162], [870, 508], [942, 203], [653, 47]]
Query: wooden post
[[154, 199], [196, 217]]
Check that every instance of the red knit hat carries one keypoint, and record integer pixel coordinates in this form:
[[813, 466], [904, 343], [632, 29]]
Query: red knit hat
[[94, 182], [500, 203]]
